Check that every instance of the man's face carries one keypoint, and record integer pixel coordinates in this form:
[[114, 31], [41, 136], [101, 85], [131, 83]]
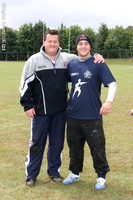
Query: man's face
[[83, 49], [51, 44]]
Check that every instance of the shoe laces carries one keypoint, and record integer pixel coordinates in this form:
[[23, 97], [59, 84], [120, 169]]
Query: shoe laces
[[102, 181], [72, 176]]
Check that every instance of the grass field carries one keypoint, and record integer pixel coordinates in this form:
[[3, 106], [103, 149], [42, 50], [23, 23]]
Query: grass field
[[15, 134]]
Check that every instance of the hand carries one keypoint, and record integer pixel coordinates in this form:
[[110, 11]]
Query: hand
[[105, 108], [98, 58], [30, 113]]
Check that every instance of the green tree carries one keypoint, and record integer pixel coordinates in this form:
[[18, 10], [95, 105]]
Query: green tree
[[129, 32], [64, 37], [38, 35], [116, 42], [101, 36], [11, 37], [26, 37], [26, 41], [111, 43], [74, 32]]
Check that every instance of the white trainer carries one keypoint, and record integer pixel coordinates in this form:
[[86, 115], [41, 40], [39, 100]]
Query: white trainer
[[101, 182], [71, 179]]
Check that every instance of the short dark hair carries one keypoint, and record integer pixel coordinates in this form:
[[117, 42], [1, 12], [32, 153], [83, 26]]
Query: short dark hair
[[51, 32]]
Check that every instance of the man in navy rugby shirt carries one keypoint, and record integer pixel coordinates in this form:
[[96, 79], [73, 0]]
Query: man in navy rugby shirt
[[85, 111]]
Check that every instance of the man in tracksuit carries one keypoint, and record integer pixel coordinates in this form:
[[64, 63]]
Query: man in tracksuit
[[43, 91]]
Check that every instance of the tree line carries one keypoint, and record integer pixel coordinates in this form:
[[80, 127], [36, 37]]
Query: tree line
[[27, 40]]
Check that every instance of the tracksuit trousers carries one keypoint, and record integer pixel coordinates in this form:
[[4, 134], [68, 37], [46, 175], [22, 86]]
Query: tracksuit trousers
[[53, 127], [91, 131]]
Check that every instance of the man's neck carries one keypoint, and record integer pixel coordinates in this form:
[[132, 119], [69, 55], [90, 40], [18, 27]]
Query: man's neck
[[52, 57], [83, 58]]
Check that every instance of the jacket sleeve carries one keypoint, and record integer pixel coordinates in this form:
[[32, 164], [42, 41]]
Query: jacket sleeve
[[26, 85]]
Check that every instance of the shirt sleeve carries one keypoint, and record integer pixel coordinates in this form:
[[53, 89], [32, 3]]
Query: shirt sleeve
[[106, 75]]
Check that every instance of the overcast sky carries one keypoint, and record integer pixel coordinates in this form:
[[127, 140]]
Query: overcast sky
[[85, 13]]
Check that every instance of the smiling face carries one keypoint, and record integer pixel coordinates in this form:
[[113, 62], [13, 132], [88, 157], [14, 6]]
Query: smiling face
[[83, 49], [51, 44]]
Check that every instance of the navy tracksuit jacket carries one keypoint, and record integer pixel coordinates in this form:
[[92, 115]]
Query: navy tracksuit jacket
[[44, 87]]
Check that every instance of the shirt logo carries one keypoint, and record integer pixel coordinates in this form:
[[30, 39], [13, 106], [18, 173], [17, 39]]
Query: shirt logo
[[87, 74], [75, 74], [78, 88], [65, 64], [41, 66]]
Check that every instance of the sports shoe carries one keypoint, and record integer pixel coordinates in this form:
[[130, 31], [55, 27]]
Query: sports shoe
[[71, 179], [56, 178], [30, 182], [100, 184]]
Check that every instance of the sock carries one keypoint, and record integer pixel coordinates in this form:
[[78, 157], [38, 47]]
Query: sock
[[102, 175], [76, 173]]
